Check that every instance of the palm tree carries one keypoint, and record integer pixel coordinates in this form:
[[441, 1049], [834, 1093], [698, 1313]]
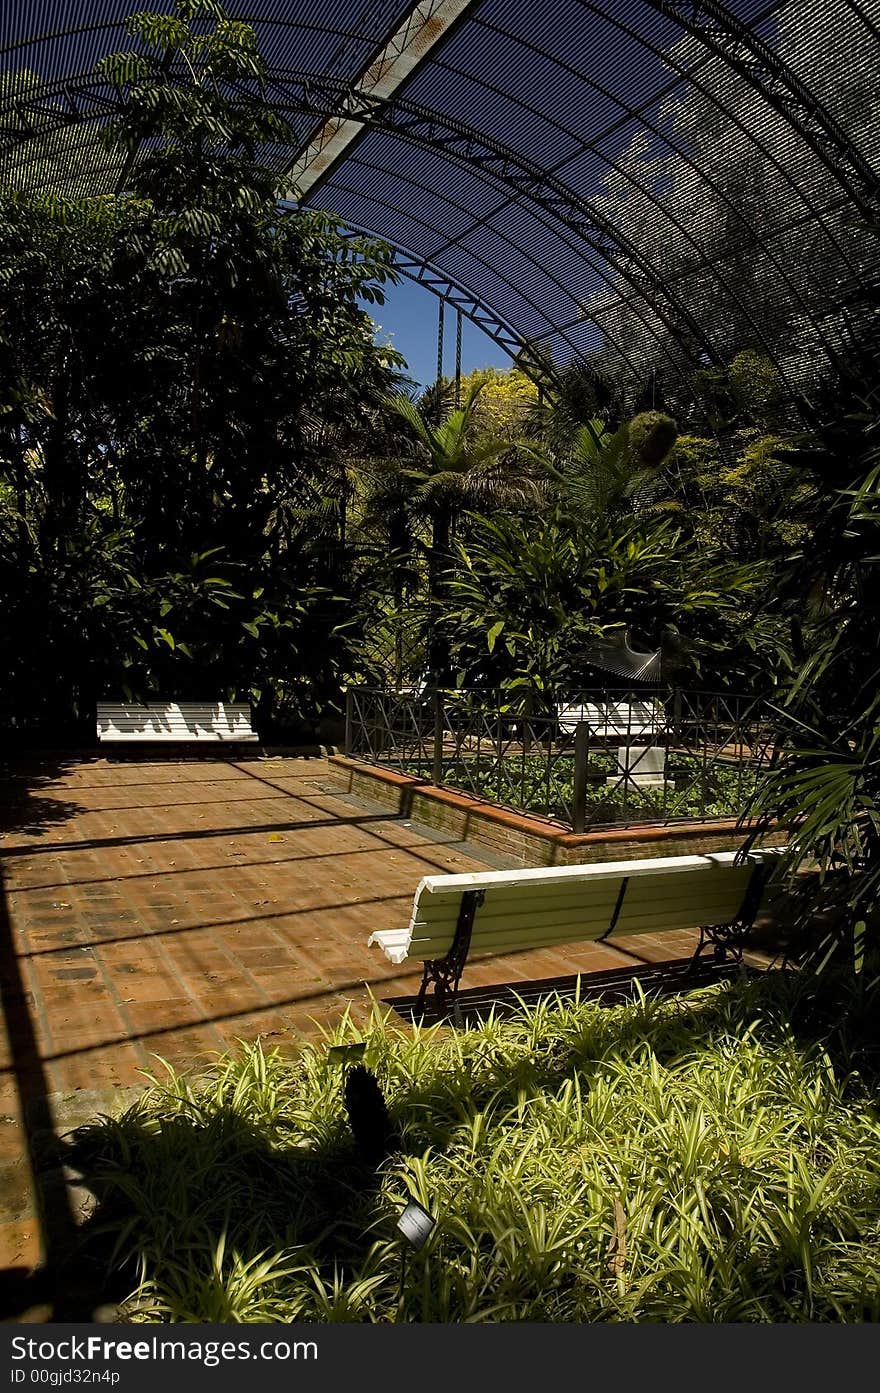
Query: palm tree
[[449, 471], [604, 475]]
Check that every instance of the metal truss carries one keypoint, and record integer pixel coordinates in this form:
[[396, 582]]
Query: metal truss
[[477, 312], [491, 159], [469, 305], [55, 106]]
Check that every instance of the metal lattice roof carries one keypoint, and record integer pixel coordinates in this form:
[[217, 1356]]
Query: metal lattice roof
[[657, 182]]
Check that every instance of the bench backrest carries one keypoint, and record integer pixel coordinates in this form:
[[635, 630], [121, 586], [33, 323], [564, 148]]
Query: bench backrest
[[621, 718], [169, 720], [571, 904]]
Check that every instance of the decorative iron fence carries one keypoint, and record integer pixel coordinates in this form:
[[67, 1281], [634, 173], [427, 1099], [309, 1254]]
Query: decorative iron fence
[[601, 758]]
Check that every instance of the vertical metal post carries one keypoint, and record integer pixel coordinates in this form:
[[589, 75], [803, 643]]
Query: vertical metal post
[[440, 323], [437, 772], [349, 720], [528, 712], [673, 739], [458, 360], [579, 790]]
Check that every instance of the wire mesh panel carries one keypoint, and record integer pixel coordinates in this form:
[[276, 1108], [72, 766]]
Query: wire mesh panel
[[588, 759]]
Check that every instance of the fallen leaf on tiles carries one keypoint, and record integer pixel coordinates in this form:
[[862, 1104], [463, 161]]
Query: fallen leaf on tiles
[[275, 837], [175, 921]]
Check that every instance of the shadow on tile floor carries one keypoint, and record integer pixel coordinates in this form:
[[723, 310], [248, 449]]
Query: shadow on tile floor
[[474, 1005]]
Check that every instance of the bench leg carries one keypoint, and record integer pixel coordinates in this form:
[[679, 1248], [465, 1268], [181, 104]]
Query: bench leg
[[445, 977], [727, 940], [446, 972], [423, 989]]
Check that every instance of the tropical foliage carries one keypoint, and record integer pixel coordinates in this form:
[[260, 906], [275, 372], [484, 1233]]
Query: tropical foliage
[[172, 360], [826, 788], [527, 600]]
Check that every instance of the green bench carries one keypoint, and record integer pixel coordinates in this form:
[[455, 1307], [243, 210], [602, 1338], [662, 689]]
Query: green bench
[[454, 916]]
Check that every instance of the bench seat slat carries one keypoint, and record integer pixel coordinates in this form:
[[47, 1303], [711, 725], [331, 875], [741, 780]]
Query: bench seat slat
[[586, 895], [572, 931], [175, 721]]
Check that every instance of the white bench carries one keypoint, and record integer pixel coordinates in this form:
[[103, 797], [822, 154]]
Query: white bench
[[619, 718], [510, 911], [174, 722]]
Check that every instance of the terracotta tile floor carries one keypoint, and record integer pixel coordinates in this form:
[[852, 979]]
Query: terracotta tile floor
[[172, 908]]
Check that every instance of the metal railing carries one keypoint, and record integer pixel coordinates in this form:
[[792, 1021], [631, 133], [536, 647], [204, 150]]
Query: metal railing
[[599, 758]]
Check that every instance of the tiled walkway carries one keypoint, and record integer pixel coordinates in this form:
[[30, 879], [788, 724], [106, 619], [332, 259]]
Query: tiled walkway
[[172, 908]]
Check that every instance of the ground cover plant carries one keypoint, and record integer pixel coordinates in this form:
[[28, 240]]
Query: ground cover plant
[[699, 1158], [693, 788]]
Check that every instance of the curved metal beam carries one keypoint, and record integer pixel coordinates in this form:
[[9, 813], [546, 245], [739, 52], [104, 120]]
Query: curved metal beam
[[435, 280], [429, 129], [565, 238]]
